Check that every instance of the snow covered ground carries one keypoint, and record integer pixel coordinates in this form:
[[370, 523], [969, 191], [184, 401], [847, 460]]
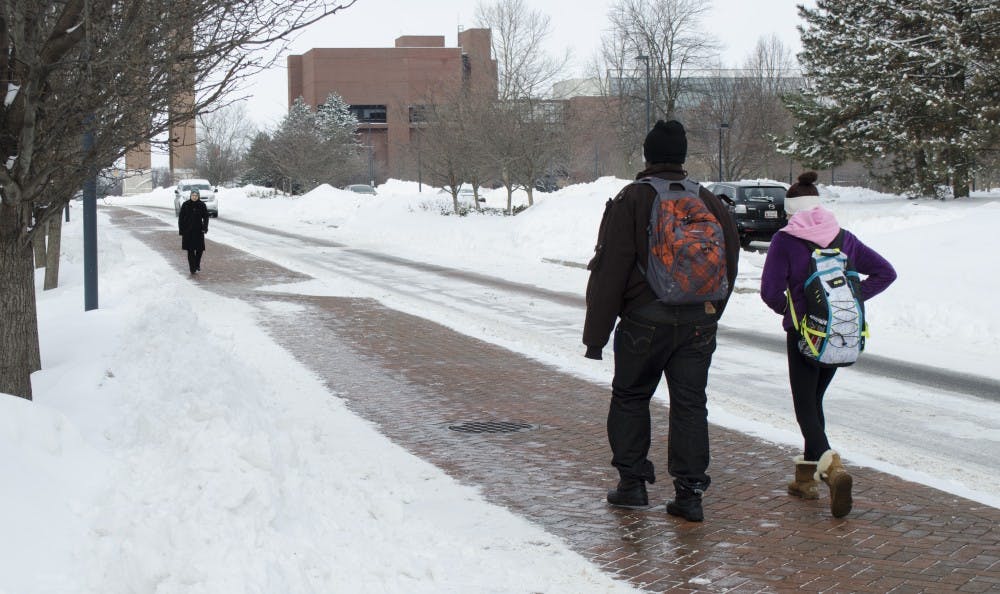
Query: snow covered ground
[[164, 453], [935, 314], [172, 447]]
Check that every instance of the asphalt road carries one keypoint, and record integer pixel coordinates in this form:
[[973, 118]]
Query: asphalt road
[[922, 375]]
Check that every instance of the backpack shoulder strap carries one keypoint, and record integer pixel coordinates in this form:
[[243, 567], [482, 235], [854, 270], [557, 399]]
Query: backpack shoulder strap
[[662, 186], [659, 184]]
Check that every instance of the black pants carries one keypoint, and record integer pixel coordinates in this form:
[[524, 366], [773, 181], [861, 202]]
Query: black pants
[[194, 260], [677, 342], [809, 383]]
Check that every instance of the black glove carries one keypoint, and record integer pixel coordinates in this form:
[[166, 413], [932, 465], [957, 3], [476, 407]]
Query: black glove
[[205, 230], [593, 353]]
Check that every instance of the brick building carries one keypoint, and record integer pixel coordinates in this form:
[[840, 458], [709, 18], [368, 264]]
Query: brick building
[[387, 87]]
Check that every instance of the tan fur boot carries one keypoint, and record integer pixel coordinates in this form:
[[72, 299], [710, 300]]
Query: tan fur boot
[[832, 472], [805, 484]]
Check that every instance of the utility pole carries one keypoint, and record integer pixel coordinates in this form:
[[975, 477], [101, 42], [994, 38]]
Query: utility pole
[[89, 230], [722, 126]]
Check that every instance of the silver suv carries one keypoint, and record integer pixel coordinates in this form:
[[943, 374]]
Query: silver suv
[[208, 195]]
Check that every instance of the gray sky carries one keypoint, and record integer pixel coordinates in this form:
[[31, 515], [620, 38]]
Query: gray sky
[[578, 25]]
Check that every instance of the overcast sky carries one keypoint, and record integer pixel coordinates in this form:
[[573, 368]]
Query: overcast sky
[[578, 25]]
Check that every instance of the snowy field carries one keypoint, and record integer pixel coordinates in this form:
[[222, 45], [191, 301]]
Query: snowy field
[[164, 454]]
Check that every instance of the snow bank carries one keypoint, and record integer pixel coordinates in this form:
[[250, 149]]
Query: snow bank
[[173, 447]]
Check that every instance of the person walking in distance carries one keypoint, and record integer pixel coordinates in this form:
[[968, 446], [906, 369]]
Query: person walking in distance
[[668, 300], [814, 235], [192, 225]]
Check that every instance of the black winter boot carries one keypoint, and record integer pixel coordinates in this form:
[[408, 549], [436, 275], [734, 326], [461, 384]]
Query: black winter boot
[[629, 493], [686, 504]]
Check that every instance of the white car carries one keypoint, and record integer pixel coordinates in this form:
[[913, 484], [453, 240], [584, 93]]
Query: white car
[[465, 192], [208, 195], [361, 189]]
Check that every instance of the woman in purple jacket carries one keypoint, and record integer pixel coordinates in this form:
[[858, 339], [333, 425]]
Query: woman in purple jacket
[[786, 268]]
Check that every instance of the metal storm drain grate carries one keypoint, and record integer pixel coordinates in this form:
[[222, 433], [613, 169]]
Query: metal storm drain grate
[[491, 427]]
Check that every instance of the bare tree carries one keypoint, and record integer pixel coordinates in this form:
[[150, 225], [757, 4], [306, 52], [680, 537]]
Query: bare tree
[[667, 32], [116, 74], [445, 142], [542, 143], [524, 69], [651, 46], [517, 133], [224, 136], [749, 102], [769, 74]]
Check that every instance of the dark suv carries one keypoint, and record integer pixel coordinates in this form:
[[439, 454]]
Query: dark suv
[[758, 207]]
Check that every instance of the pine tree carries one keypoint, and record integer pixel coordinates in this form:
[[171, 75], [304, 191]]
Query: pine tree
[[901, 85], [337, 129], [335, 121], [308, 148]]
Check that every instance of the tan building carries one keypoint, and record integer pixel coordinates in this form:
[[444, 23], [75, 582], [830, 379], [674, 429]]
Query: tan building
[[387, 87]]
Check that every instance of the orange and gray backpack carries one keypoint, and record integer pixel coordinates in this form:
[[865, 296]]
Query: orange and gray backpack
[[687, 248]]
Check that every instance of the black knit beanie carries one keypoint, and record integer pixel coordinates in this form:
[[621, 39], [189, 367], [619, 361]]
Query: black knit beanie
[[666, 143]]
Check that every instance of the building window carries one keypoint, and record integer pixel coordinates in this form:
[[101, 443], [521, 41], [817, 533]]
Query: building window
[[369, 114], [419, 113]]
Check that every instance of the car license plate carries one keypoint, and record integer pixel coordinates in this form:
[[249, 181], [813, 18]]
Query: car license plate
[[770, 214]]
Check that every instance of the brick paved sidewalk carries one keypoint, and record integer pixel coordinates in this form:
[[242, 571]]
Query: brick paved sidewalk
[[415, 379]]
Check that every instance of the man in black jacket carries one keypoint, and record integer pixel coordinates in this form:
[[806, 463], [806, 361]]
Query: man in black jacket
[[653, 338]]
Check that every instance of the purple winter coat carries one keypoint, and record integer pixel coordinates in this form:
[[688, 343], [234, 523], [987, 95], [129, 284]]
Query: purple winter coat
[[787, 265]]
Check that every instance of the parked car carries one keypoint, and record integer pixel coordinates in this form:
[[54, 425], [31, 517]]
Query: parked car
[[465, 192], [757, 206], [208, 195], [361, 189]]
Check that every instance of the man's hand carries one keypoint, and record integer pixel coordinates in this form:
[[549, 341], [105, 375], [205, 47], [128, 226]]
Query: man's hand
[[593, 353]]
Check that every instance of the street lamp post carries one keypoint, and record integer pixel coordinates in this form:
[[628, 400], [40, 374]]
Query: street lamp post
[[371, 158], [371, 165], [722, 126], [420, 169], [89, 227], [644, 58]]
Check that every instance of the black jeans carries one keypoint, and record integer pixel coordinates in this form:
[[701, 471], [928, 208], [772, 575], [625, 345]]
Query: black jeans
[[677, 342], [194, 259], [809, 383]]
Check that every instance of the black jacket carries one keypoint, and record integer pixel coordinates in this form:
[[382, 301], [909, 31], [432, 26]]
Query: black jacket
[[192, 224], [616, 284]]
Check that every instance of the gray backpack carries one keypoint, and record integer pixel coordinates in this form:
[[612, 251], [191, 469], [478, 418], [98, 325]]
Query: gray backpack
[[687, 248]]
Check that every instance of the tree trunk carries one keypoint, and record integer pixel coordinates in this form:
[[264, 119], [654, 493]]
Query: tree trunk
[[38, 243], [960, 173], [52, 253], [19, 354], [925, 184], [505, 176]]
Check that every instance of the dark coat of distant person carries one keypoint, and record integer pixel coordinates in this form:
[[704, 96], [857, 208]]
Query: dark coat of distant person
[[193, 224]]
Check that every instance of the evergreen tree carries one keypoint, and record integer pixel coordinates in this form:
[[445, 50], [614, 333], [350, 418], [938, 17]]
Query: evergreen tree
[[260, 169], [904, 86], [334, 120], [337, 129], [308, 148]]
